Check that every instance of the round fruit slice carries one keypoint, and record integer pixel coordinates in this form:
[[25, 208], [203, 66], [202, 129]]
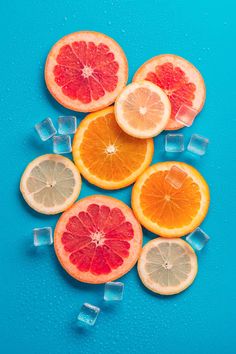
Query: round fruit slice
[[105, 155], [167, 267], [98, 239], [142, 110], [50, 184], [85, 71], [180, 80], [165, 210]]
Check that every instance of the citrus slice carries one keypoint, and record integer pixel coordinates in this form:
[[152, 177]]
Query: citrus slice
[[50, 184], [165, 210], [105, 155], [85, 71], [98, 239], [167, 267], [142, 110], [181, 81]]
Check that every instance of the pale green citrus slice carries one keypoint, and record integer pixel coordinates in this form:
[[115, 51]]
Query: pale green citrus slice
[[50, 184], [167, 266]]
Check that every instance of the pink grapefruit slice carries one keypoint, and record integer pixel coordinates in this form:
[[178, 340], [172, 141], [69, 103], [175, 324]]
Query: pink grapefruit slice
[[98, 239], [180, 80], [85, 71]]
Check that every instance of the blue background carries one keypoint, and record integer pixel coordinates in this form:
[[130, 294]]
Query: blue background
[[39, 301]]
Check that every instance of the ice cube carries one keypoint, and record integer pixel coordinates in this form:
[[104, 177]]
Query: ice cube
[[42, 236], [174, 143], [186, 115], [198, 239], [67, 125], [113, 291], [88, 314], [176, 177], [198, 144], [62, 144], [45, 129]]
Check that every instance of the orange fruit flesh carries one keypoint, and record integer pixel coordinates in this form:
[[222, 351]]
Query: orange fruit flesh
[[167, 206], [95, 149], [163, 208], [107, 156]]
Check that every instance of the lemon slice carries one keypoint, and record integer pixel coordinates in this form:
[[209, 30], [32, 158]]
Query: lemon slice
[[50, 184], [167, 266], [142, 110]]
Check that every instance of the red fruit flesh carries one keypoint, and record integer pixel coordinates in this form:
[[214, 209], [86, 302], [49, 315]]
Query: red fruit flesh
[[98, 239], [86, 71], [175, 83]]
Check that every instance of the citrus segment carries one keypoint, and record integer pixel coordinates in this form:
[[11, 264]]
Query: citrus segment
[[50, 184], [85, 71], [105, 155], [142, 110], [165, 210], [98, 239], [180, 80], [167, 267]]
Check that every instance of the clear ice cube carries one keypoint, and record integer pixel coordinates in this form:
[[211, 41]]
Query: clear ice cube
[[174, 143], [113, 291], [186, 115], [198, 239], [198, 144], [45, 129], [42, 236], [176, 177], [62, 144], [67, 125], [88, 314]]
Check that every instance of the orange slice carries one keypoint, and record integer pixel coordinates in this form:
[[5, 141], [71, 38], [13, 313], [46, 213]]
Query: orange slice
[[180, 80], [85, 71], [105, 155], [167, 267], [98, 239], [142, 110], [165, 210], [50, 184]]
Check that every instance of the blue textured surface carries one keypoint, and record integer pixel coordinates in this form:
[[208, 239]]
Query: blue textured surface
[[39, 301]]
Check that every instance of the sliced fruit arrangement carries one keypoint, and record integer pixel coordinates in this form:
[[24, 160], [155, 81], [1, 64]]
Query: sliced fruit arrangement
[[105, 155], [167, 267], [142, 110], [98, 239], [85, 71], [50, 184], [167, 211], [180, 80]]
